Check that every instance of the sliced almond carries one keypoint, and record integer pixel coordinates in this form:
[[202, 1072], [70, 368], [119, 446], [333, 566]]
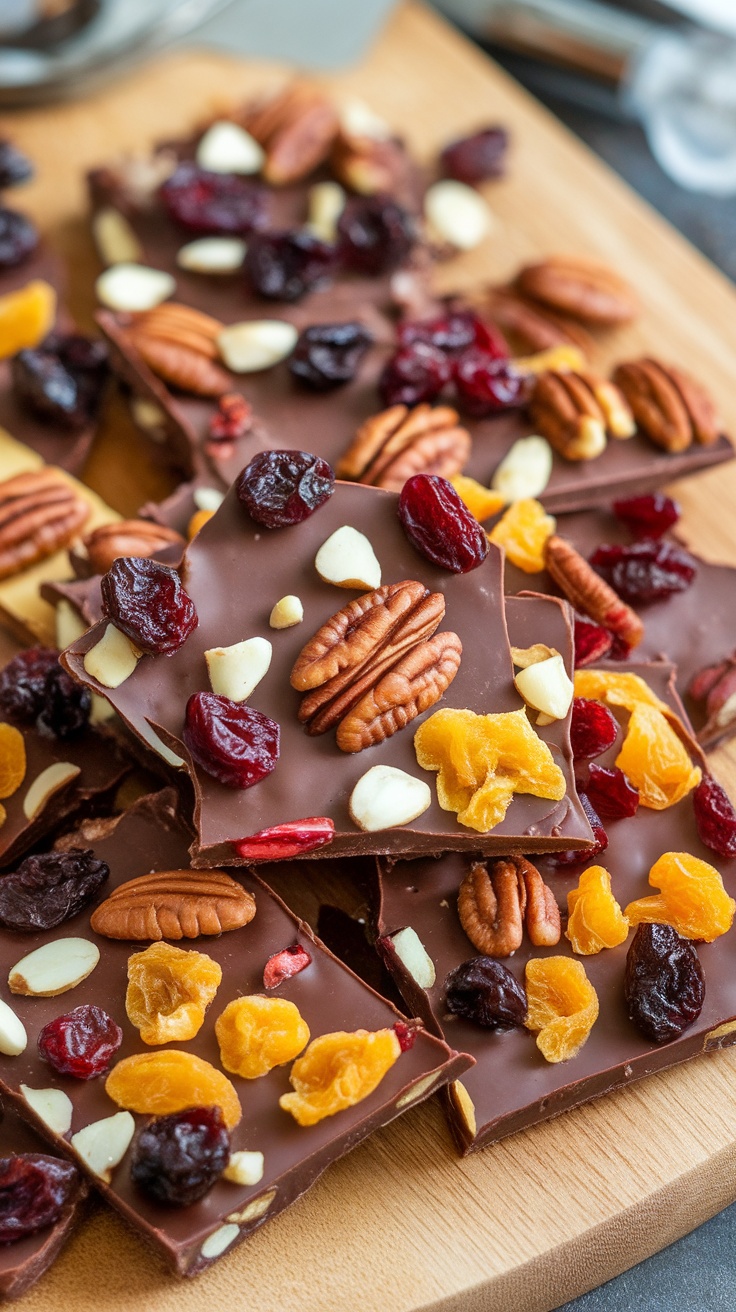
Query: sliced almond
[[113, 659], [414, 957], [115, 239], [219, 1240], [385, 797], [547, 687], [348, 560], [132, 287], [326, 204], [524, 656], [457, 214], [208, 498], [212, 255], [244, 1168], [525, 470], [52, 1106], [228, 148], [54, 968], [235, 671], [48, 782], [256, 344], [13, 1037], [103, 1144], [286, 613], [464, 1105], [69, 625], [158, 746], [417, 1091]]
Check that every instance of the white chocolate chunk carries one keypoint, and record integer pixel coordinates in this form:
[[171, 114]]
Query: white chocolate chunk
[[457, 214], [52, 1106], [286, 613], [113, 659], [115, 240], [228, 148], [132, 287], [54, 968], [414, 957], [348, 560], [547, 687], [385, 797], [256, 344], [244, 1168], [48, 782], [219, 1240], [326, 203], [525, 470], [235, 671], [212, 255], [13, 1037], [69, 625], [103, 1144]]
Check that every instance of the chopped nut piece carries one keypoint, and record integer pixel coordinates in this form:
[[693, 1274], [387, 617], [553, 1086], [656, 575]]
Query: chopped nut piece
[[54, 968], [256, 344], [49, 781], [286, 613], [296, 127], [235, 671], [13, 1037], [582, 287], [457, 214], [496, 900], [103, 1144], [547, 687], [113, 659], [348, 560], [525, 470], [413, 956], [385, 797], [115, 239], [244, 1168], [132, 287], [228, 148], [588, 592], [390, 447], [212, 255], [326, 204], [52, 1106]]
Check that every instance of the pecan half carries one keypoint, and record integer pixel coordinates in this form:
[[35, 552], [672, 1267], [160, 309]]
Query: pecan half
[[670, 407], [575, 411], [174, 904], [128, 537], [180, 345], [580, 287], [296, 128], [588, 592], [370, 165], [40, 512], [397, 443], [497, 900], [410, 687], [535, 326]]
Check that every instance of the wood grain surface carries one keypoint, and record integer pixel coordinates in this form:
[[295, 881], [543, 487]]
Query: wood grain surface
[[402, 1224]]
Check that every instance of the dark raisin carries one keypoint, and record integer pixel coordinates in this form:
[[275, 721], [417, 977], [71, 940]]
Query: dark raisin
[[284, 266], [235, 744], [416, 373], [18, 238], [281, 488], [576, 858], [15, 167], [645, 571], [647, 516], [148, 602], [475, 158], [454, 332], [715, 817], [23, 681], [81, 1043], [49, 888], [34, 1190], [484, 990], [593, 729], [438, 523], [216, 203], [592, 641], [486, 385], [664, 983], [375, 234], [62, 380], [176, 1159], [611, 793], [66, 705], [329, 354]]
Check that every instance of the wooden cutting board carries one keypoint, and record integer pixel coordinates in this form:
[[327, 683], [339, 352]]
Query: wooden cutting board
[[402, 1224]]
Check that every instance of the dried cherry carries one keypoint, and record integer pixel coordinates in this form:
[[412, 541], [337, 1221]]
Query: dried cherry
[[66, 705], [592, 642], [212, 203], [34, 1190], [649, 515], [664, 983], [453, 332], [176, 1159], [611, 793], [593, 729], [49, 888], [414, 374], [329, 354], [81, 1043], [235, 744], [715, 817], [487, 385], [485, 991], [646, 571], [148, 602], [18, 238], [62, 380], [438, 523], [477, 157], [15, 167], [375, 234], [575, 858], [280, 488], [23, 682], [284, 266]]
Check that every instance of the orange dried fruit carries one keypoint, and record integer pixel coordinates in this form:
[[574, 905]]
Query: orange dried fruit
[[12, 760], [26, 317], [522, 532], [655, 760], [595, 919], [198, 521], [169, 991], [482, 760], [337, 1071], [156, 1083], [255, 1034], [691, 898], [616, 689], [562, 1006], [482, 502], [3, 815]]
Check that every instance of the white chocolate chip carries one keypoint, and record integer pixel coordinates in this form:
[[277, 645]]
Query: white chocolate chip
[[457, 214], [414, 957], [235, 671], [256, 344], [103, 1144], [348, 560], [212, 255], [208, 498], [54, 968], [385, 797], [13, 1037], [358, 120], [69, 626], [52, 1106], [547, 687], [48, 782], [113, 659], [115, 240], [244, 1168], [219, 1240], [326, 204], [286, 613], [525, 470], [227, 148], [132, 287]]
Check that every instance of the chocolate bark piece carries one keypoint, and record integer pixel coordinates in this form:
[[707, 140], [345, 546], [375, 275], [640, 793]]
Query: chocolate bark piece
[[512, 1087], [235, 571], [150, 837], [23, 1262]]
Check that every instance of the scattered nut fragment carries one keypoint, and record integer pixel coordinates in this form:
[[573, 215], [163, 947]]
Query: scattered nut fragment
[[212, 255], [13, 1037], [132, 287], [235, 671], [357, 119], [498, 899], [114, 237], [525, 470], [546, 686], [385, 797], [69, 625], [526, 656], [208, 498], [464, 1106], [244, 1168], [54, 968], [584, 288], [456, 214], [256, 344], [228, 148], [286, 613], [103, 1144], [413, 956], [326, 203], [113, 659], [52, 1106], [127, 537], [669, 406], [49, 781], [220, 1239], [348, 560], [149, 416]]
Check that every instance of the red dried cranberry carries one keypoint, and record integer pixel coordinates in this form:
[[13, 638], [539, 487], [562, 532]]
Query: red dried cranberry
[[284, 965], [620, 649], [329, 354], [406, 1034], [438, 523], [176, 1159], [454, 332], [593, 728], [290, 839], [148, 602], [645, 571], [592, 642], [216, 203], [50, 888], [664, 983], [281, 488], [475, 158], [15, 167], [484, 990], [375, 235], [62, 380], [66, 705], [416, 373], [34, 1190], [232, 419], [18, 238], [82, 1043], [611, 793], [22, 683], [599, 834], [235, 744], [283, 266], [647, 516], [486, 385], [715, 817]]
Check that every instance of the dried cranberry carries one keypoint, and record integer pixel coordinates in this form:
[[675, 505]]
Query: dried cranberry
[[406, 1034], [645, 571], [148, 602], [592, 641], [18, 238], [416, 373], [715, 817], [23, 681], [50, 888], [611, 793], [620, 649], [454, 332], [283, 266], [82, 1043], [486, 385], [438, 523], [285, 964], [375, 235], [62, 380], [664, 983], [232, 419], [15, 167], [647, 516], [176, 1159], [593, 729], [66, 705], [34, 1190], [216, 203], [280, 488], [484, 990], [575, 858], [475, 158], [235, 744], [329, 354]]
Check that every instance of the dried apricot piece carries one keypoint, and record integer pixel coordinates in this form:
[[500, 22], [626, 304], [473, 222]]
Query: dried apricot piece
[[482, 502], [26, 317], [563, 1006], [255, 1034], [12, 760], [522, 532], [157, 1083], [616, 689], [169, 991], [595, 919], [691, 898], [3, 815], [655, 760], [337, 1071]]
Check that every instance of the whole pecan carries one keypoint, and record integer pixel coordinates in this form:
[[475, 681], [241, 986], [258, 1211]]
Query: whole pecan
[[180, 345], [580, 287], [588, 592], [174, 904], [296, 128], [128, 537], [536, 326], [40, 512], [575, 412], [497, 900], [410, 687], [397, 443], [669, 406]]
